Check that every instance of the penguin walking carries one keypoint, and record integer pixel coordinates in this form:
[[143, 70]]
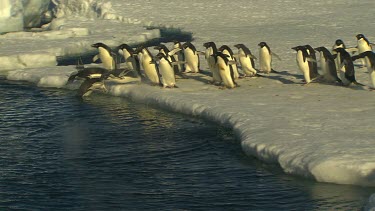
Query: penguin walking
[[265, 58], [168, 79], [170, 56], [149, 67], [338, 44], [347, 73], [246, 59], [131, 59], [302, 59], [312, 64], [370, 55], [106, 55], [328, 65], [179, 56], [225, 70], [191, 58], [228, 51], [211, 62], [363, 45]]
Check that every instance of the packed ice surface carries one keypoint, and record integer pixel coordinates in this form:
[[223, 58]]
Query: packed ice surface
[[319, 131]]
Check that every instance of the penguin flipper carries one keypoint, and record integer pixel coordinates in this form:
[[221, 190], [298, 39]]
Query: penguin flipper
[[174, 51], [96, 57], [352, 49]]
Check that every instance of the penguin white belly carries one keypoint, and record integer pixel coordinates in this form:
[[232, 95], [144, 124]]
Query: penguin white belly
[[224, 71], [191, 61], [265, 60], [106, 59], [236, 75], [167, 73], [129, 60], [216, 78], [363, 47], [344, 81], [247, 66], [303, 66], [150, 69]]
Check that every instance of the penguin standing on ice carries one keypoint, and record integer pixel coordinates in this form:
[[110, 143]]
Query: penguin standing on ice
[[370, 55], [166, 71], [265, 58], [363, 45], [338, 44], [225, 70], [131, 59], [211, 62], [246, 59], [179, 56], [327, 64], [170, 56], [302, 59], [312, 64], [346, 69], [191, 58], [227, 51], [106, 55], [149, 67]]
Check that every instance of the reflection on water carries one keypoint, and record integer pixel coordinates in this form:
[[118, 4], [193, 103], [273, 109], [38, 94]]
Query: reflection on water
[[105, 153]]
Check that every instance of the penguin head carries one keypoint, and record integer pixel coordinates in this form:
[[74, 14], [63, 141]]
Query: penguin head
[[139, 49], [339, 50], [339, 42], [99, 44], [262, 44], [239, 45], [299, 48], [311, 49], [319, 49], [360, 36], [126, 47], [208, 44]]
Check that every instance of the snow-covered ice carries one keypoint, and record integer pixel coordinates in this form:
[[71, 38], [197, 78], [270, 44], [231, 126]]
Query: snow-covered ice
[[319, 131]]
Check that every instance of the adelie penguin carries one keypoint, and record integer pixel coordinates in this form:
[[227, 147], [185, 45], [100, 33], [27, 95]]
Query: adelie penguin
[[211, 50], [225, 70], [246, 59], [131, 59], [179, 56], [106, 55], [93, 79], [327, 65], [265, 58], [149, 67], [346, 68], [170, 56], [303, 59], [228, 51], [191, 58], [370, 56], [166, 71], [363, 45], [312, 64], [338, 44]]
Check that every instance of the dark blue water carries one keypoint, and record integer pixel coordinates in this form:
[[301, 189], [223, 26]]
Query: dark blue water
[[58, 152]]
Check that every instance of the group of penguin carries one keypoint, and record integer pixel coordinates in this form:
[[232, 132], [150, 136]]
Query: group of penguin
[[337, 66], [162, 69]]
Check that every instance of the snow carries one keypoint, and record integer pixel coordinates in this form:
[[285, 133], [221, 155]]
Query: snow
[[319, 131]]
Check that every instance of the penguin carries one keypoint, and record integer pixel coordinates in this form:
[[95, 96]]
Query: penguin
[[226, 50], [327, 64], [347, 73], [302, 59], [131, 59], [179, 56], [191, 58], [338, 44], [93, 79], [246, 59], [265, 58], [106, 55], [363, 45], [370, 55], [211, 50], [225, 70], [169, 54], [313, 66], [166, 71], [149, 67]]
